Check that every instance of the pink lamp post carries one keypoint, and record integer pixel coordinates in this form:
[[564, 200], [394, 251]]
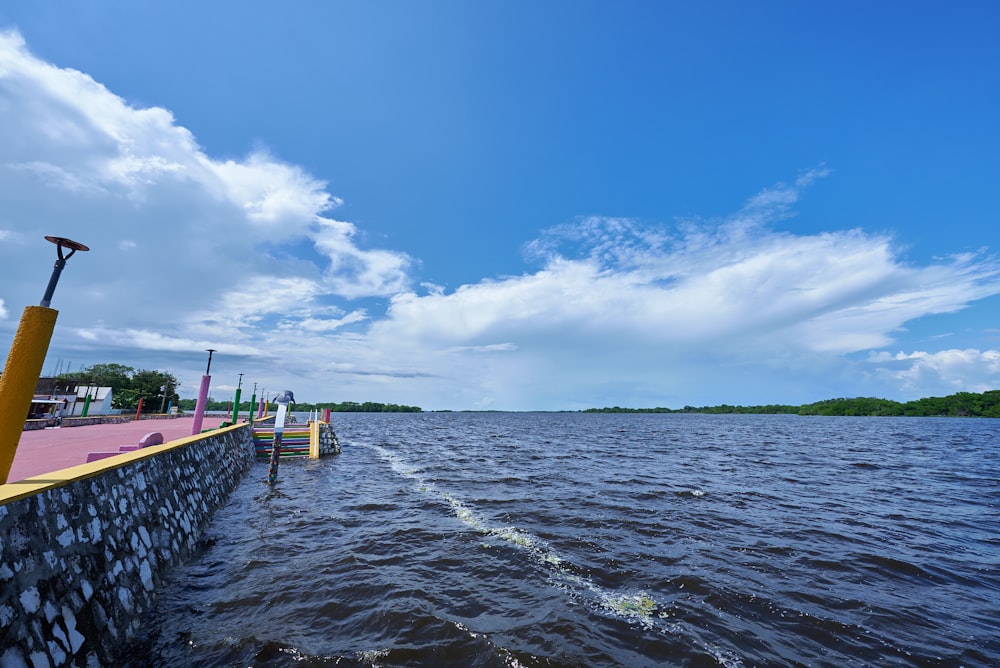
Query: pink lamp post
[[199, 409]]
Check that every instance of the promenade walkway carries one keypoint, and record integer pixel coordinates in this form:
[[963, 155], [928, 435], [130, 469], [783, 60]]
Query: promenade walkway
[[48, 450]]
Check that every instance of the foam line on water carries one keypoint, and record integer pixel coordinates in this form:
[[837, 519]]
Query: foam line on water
[[376, 657], [637, 607]]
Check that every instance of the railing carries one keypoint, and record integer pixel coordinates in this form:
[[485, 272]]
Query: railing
[[313, 440], [296, 441]]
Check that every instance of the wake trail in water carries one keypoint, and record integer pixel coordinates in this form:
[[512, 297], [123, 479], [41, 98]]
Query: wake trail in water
[[638, 608]]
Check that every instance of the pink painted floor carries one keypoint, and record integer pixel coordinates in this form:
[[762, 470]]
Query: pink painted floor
[[48, 450]]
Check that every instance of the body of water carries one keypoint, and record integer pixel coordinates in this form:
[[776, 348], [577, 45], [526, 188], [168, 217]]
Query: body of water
[[498, 539]]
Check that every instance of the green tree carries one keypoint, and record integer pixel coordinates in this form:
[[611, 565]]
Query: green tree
[[149, 385], [125, 399], [128, 385], [115, 376]]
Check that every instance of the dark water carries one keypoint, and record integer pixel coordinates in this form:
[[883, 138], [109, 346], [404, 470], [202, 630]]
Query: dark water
[[604, 540]]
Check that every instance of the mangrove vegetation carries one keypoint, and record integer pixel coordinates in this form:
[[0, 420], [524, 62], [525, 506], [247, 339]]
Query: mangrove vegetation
[[960, 404]]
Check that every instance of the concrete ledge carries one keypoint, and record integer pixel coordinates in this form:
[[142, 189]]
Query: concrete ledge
[[95, 456]]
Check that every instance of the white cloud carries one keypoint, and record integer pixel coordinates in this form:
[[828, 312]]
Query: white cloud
[[274, 194], [619, 303], [832, 292], [944, 371], [173, 232], [775, 203], [320, 325], [259, 296], [148, 340], [354, 272]]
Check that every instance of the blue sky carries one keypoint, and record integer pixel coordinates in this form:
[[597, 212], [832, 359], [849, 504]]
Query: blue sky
[[517, 205]]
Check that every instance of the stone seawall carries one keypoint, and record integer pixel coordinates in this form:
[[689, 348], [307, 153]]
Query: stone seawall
[[329, 444], [82, 554]]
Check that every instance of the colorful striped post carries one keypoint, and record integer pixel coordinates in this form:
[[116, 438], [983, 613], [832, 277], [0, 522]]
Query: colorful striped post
[[279, 428], [138, 411]]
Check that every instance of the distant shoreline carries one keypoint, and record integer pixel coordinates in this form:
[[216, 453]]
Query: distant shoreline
[[961, 404]]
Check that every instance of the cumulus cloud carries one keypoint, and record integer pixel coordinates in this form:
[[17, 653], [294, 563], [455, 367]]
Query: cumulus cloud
[[148, 340], [354, 272], [274, 194], [617, 299], [834, 292], [173, 230], [946, 371]]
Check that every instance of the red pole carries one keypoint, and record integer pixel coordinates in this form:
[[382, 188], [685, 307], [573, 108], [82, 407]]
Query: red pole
[[326, 415], [138, 411]]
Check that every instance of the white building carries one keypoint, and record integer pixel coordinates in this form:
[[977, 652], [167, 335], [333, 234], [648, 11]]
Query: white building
[[100, 401]]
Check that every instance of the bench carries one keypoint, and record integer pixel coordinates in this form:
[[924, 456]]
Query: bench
[[152, 438]]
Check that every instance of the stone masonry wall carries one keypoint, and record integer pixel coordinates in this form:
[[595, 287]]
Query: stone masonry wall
[[33, 425], [328, 442], [80, 563]]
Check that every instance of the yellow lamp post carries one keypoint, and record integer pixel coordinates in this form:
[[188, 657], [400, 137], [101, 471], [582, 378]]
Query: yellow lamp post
[[25, 359]]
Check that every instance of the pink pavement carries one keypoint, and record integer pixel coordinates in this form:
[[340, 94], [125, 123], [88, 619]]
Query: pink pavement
[[48, 450]]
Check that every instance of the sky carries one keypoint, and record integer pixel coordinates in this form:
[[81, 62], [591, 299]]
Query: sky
[[512, 205]]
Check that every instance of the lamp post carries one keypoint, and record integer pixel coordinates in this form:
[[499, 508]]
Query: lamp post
[[236, 400], [86, 402], [199, 409], [25, 359], [163, 402], [253, 407]]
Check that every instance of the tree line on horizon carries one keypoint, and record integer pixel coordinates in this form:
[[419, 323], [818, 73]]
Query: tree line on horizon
[[960, 404], [128, 385], [342, 407]]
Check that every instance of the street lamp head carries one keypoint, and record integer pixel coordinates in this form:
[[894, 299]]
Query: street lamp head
[[63, 242], [60, 242], [209, 367]]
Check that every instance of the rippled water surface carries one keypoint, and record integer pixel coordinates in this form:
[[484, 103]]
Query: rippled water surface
[[496, 539]]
